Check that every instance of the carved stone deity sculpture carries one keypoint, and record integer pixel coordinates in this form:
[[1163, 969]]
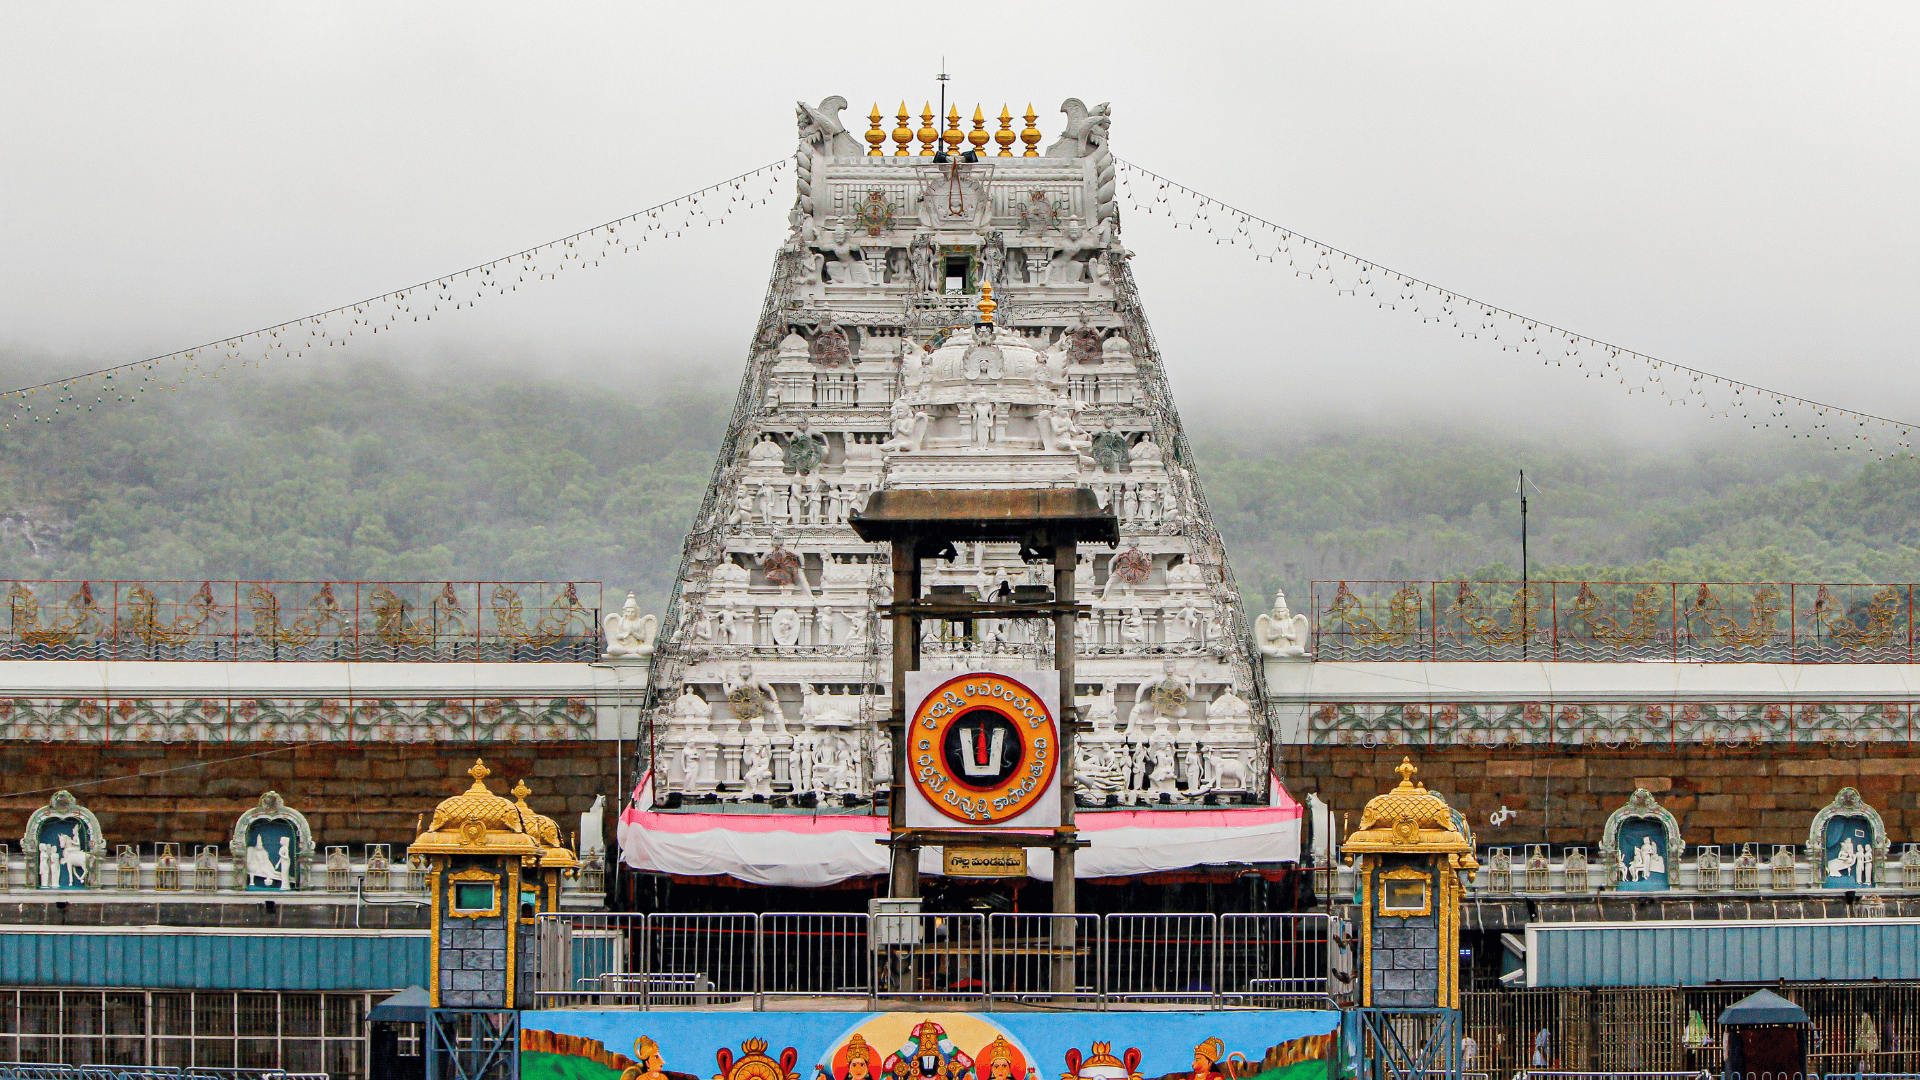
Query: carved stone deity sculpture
[[755, 701], [1083, 343], [908, 427], [920, 253], [1167, 696], [629, 634], [1281, 633], [756, 767], [784, 568], [993, 259]]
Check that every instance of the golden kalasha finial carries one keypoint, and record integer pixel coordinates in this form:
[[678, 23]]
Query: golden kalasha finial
[[876, 138], [986, 302], [978, 136], [1406, 770], [928, 135], [953, 136], [479, 772], [1030, 134], [1005, 136], [521, 791], [903, 135]]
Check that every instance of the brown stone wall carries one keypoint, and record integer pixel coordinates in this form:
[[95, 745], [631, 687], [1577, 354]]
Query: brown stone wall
[[191, 793], [1763, 795]]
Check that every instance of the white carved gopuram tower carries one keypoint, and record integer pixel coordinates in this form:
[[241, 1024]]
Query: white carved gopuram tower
[[951, 309]]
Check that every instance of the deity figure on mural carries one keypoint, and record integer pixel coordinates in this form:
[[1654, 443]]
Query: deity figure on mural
[[629, 634], [1646, 862], [929, 1054], [1280, 632]]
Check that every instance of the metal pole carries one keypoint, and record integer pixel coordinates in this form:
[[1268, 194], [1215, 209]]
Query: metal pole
[[905, 880], [1526, 630], [1065, 557]]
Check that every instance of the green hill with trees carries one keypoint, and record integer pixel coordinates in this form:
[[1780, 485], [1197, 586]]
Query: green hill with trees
[[370, 471]]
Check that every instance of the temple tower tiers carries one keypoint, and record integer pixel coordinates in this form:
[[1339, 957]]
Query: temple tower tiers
[[945, 315]]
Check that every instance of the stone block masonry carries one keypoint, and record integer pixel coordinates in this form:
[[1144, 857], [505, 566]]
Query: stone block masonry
[[1761, 795], [191, 793]]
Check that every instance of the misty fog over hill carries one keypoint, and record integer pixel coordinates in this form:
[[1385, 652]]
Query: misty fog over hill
[[372, 471]]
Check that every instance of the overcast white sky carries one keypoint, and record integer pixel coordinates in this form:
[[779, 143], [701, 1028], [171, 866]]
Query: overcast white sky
[[1727, 185]]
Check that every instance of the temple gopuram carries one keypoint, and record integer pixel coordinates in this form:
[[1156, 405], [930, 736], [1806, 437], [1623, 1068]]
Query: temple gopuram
[[248, 831]]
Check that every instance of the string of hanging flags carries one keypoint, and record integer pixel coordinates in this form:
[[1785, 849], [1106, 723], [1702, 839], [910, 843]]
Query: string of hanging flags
[[125, 383], [1348, 274], [1140, 189]]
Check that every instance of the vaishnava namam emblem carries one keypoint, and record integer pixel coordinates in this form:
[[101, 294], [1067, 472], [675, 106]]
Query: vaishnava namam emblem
[[984, 748], [876, 213]]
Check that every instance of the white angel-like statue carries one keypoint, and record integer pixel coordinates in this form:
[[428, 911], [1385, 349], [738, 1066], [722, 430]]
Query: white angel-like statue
[[1280, 632], [630, 634]]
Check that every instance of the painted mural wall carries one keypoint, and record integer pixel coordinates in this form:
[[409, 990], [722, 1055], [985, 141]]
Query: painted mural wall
[[581, 1045]]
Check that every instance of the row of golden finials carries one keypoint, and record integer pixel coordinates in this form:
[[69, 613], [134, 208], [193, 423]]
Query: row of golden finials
[[929, 137]]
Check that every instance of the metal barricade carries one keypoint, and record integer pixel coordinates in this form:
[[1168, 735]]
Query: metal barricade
[[815, 955], [1273, 961], [1161, 959], [589, 959], [699, 961], [1024, 953], [930, 957]]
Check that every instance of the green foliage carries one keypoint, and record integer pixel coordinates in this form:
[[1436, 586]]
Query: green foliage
[[371, 472], [1410, 502], [366, 473]]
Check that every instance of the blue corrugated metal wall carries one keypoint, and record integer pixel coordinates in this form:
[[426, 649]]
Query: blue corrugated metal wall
[[1695, 954], [373, 961]]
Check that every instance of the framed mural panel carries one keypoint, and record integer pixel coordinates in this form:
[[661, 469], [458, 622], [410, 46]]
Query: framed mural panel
[[1642, 844], [63, 844], [575, 1044], [1847, 843]]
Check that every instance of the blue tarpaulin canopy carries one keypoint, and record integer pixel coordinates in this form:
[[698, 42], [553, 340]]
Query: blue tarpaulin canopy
[[1763, 1007]]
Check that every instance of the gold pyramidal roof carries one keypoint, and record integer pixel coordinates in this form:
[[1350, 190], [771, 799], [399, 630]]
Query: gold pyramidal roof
[[477, 821], [1408, 819]]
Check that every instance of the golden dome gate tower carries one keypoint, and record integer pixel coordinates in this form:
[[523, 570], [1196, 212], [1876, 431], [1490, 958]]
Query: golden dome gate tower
[[493, 866], [1412, 857]]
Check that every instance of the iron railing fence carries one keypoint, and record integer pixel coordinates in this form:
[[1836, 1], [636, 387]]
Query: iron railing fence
[[202, 1033], [1024, 952], [1856, 1028], [674, 960], [1726, 622], [302, 620]]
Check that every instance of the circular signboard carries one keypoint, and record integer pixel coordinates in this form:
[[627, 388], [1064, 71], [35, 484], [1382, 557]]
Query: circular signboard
[[983, 748]]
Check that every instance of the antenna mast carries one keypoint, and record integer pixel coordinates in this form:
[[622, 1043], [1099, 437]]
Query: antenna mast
[[942, 78]]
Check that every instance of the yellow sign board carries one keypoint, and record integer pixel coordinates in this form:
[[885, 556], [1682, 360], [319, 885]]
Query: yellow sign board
[[985, 862]]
